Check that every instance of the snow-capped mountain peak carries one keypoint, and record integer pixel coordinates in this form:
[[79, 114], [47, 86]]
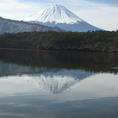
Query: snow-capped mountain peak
[[55, 13], [60, 16]]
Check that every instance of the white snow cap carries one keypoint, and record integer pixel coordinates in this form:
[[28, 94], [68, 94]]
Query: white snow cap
[[55, 13]]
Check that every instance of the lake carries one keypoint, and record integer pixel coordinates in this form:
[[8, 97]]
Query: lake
[[43, 84]]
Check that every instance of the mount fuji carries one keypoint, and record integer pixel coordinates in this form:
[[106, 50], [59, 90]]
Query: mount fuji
[[60, 16]]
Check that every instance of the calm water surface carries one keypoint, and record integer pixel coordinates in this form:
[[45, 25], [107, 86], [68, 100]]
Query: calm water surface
[[58, 85]]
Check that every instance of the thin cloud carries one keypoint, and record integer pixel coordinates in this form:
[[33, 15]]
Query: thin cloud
[[99, 14]]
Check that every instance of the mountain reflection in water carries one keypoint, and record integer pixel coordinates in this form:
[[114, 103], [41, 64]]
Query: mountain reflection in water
[[55, 85]]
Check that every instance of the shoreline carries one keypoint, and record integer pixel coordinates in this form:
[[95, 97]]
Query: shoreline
[[60, 50]]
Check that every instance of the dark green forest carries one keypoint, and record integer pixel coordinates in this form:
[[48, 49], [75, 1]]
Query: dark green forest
[[98, 41]]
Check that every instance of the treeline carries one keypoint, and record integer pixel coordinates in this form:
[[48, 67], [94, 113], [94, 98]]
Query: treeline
[[104, 41]]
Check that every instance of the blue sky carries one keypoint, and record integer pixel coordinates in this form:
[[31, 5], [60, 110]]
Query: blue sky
[[110, 2], [101, 13]]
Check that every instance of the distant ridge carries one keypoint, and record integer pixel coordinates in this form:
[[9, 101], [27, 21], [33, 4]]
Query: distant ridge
[[13, 26]]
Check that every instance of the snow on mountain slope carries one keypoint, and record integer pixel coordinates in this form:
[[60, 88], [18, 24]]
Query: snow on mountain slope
[[61, 17], [57, 14]]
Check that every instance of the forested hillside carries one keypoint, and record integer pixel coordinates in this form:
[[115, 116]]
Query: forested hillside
[[104, 41]]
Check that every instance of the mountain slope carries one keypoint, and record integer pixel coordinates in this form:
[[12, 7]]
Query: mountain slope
[[57, 14], [12, 26], [61, 17]]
